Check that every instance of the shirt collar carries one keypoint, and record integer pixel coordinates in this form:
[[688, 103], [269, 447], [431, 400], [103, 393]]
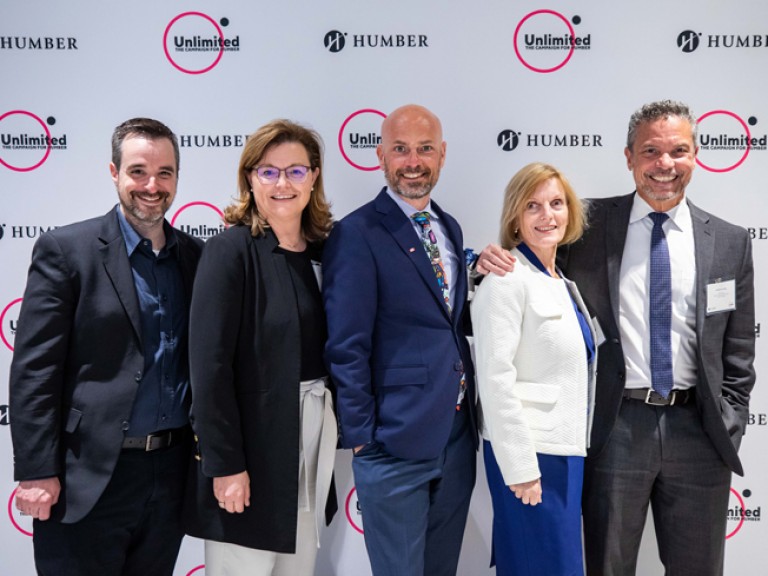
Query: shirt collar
[[133, 239], [409, 210], [680, 215]]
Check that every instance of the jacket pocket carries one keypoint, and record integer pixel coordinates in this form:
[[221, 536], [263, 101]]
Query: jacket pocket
[[402, 376], [538, 401]]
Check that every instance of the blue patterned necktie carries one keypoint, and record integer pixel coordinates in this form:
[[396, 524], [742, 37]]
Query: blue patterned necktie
[[660, 312], [430, 245]]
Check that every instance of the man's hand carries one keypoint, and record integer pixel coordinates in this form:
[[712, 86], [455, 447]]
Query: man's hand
[[495, 259], [528, 492], [233, 492], [36, 497], [357, 449]]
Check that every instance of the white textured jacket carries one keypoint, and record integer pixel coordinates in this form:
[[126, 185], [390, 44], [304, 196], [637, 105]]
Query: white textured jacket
[[536, 389]]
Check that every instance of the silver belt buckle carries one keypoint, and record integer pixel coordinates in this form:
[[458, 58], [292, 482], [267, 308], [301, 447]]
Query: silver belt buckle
[[148, 446], [664, 401]]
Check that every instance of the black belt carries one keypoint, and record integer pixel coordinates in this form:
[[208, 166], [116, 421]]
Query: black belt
[[156, 441], [649, 396]]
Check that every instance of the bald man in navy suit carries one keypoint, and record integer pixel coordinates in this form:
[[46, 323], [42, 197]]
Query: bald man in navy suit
[[399, 357]]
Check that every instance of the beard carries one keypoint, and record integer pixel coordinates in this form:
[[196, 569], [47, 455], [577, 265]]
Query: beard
[[401, 185], [147, 215]]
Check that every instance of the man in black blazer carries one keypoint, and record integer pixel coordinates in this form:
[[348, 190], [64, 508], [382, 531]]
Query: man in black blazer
[[99, 378], [674, 451]]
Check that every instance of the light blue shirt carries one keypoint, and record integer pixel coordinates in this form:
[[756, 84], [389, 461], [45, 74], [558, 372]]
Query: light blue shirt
[[448, 254]]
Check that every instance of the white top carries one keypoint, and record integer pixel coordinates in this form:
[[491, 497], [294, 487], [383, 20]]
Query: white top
[[536, 390], [634, 294]]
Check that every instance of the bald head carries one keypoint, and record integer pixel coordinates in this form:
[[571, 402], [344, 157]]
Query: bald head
[[408, 115], [412, 152]]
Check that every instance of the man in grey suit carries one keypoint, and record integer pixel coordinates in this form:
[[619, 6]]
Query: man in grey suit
[[673, 448]]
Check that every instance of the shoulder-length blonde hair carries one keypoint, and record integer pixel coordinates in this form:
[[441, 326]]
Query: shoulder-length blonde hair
[[520, 189], [316, 220]]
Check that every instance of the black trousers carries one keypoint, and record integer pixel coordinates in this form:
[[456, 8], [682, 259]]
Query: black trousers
[[135, 528]]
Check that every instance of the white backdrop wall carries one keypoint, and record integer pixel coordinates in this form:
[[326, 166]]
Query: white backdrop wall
[[492, 70]]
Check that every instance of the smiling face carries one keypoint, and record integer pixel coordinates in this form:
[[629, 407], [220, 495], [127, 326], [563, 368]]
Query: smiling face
[[411, 153], [662, 160], [284, 200], [544, 220], [146, 181]]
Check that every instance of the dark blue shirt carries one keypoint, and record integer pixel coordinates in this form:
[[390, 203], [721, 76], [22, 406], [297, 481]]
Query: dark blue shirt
[[160, 401]]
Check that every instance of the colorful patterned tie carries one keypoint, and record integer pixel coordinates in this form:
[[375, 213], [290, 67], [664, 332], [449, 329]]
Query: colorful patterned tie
[[430, 245], [660, 311], [433, 252]]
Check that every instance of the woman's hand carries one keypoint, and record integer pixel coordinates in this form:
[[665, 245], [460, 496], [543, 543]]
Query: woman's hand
[[233, 492], [528, 492]]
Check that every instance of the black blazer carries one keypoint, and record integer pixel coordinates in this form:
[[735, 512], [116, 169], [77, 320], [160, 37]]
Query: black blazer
[[245, 359], [726, 340], [78, 359]]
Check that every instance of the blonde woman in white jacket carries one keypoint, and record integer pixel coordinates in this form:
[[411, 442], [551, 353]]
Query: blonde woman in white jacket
[[535, 358]]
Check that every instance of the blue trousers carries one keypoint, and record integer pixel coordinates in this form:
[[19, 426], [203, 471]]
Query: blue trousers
[[415, 511]]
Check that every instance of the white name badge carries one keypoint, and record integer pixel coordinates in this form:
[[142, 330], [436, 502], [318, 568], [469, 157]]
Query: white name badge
[[721, 296]]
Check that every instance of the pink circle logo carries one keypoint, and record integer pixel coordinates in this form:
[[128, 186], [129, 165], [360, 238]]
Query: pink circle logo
[[544, 43], [17, 522], [359, 137], [21, 138], [721, 143], [8, 323], [192, 39], [199, 219], [738, 510], [354, 515]]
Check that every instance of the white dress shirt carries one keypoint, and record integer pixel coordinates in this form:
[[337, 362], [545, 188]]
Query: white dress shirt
[[634, 295]]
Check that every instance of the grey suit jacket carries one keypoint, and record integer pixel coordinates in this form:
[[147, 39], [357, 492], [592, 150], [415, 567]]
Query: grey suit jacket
[[726, 340]]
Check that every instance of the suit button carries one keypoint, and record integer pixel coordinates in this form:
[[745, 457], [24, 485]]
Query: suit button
[[458, 366], [138, 376], [125, 425]]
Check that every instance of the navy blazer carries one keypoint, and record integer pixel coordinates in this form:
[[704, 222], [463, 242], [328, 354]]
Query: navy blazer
[[725, 340], [78, 359], [394, 350]]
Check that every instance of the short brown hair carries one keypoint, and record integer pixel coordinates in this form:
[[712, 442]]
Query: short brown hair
[[521, 187], [316, 220], [142, 128]]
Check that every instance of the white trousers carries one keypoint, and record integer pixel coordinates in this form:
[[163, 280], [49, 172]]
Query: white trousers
[[317, 447]]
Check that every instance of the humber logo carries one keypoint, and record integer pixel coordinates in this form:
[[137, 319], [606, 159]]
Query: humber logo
[[508, 140], [688, 40], [334, 41]]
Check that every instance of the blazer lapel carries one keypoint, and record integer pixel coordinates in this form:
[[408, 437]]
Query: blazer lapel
[[704, 246], [396, 222], [453, 231], [118, 269], [617, 222]]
